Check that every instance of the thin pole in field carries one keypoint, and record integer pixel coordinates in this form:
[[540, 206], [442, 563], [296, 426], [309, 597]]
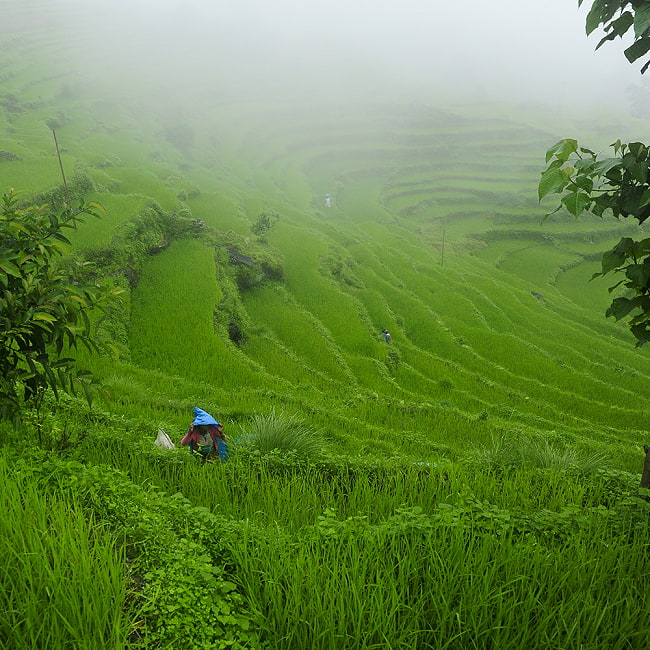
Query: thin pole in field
[[442, 250], [65, 183]]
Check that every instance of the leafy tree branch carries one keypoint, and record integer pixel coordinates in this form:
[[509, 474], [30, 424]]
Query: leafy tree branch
[[617, 185], [617, 18], [44, 313]]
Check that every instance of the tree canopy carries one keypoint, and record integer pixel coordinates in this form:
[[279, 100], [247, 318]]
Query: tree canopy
[[617, 185]]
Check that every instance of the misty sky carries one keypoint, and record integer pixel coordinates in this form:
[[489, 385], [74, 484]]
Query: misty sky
[[516, 50]]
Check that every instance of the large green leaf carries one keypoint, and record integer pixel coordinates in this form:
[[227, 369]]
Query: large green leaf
[[9, 268], [576, 202], [621, 307], [603, 166], [641, 333], [637, 49], [622, 23], [639, 150], [584, 183], [611, 260], [562, 149], [615, 257], [553, 180], [610, 37], [639, 274], [629, 200], [595, 16], [640, 172], [43, 316], [642, 19]]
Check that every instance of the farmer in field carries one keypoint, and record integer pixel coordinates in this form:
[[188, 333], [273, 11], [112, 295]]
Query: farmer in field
[[328, 200], [387, 337], [205, 436]]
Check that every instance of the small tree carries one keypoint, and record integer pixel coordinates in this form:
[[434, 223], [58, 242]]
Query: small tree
[[263, 225], [618, 185], [42, 310]]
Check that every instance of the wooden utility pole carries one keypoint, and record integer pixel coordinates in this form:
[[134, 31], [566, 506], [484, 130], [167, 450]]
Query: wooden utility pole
[[65, 183]]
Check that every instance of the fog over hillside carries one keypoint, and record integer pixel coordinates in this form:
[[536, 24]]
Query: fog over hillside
[[251, 50]]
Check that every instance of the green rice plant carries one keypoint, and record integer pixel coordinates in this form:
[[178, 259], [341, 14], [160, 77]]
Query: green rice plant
[[535, 262], [410, 580], [172, 318], [35, 174], [280, 431], [273, 310], [218, 210], [337, 313], [63, 579], [99, 233], [283, 363], [135, 180]]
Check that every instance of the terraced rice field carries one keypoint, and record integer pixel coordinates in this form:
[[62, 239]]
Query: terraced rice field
[[435, 232]]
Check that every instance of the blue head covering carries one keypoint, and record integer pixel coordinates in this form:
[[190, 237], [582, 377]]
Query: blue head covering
[[201, 417]]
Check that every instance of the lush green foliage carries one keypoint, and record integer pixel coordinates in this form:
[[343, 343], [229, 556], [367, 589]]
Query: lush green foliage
[[338, 554], [177, 580], [63, 578], [617, 17], [43, 312], [617, 185], [479, 479]]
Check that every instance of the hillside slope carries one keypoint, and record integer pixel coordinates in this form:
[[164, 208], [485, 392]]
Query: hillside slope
[[434, 232]]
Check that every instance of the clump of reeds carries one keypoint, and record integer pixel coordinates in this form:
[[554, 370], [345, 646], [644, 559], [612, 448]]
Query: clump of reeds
[[269, 431], [517, 451]]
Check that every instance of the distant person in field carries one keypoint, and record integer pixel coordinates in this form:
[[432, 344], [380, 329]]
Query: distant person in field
[[205, 436], [387, 337], [328, 201]]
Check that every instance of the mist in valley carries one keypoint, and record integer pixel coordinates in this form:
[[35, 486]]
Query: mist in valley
[[200, 57]]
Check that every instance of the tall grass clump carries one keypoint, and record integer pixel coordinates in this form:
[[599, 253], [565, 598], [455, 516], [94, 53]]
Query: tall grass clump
[[520, 452], [270, 431], [63, 580]]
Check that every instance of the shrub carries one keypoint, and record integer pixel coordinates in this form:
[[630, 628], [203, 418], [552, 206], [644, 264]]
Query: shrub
[[266, 432], [263, 224]]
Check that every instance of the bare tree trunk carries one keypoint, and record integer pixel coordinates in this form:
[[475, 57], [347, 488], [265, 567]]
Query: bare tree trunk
[[645, 477]]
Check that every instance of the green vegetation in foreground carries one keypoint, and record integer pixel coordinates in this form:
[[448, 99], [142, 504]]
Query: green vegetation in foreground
[[472, 485], [278, 551]]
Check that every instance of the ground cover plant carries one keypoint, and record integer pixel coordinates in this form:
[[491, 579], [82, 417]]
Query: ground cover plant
[[474, 483]]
